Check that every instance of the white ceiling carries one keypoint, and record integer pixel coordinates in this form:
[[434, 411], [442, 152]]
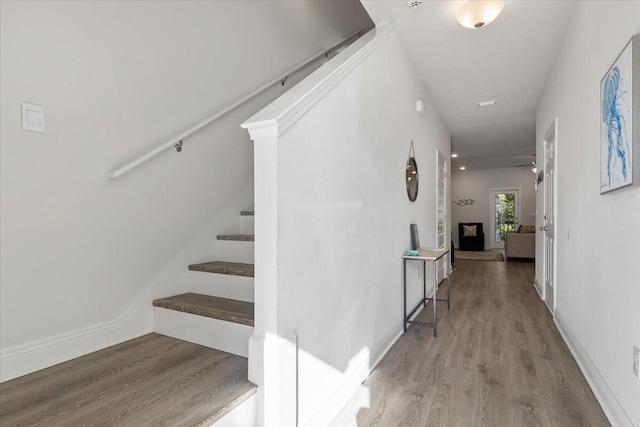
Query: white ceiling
[[508, 60]]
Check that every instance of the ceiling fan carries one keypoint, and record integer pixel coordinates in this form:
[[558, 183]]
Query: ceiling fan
[[526, 165]]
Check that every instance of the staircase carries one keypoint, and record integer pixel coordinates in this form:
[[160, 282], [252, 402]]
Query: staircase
[[218, 311]]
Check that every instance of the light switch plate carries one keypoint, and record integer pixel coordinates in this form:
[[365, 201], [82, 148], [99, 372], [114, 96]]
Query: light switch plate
[[32, 117]]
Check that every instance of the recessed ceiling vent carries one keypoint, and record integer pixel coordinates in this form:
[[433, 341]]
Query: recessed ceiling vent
[[414, 3]]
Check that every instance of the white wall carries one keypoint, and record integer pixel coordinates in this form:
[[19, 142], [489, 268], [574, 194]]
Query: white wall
[[343, 221], [83, 256], [476, 185], [597, 292]]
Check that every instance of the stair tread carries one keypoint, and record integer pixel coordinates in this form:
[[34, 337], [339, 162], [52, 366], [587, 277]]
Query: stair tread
[[208, 306], [222, 267], [237, 237], [247, 213], [151, 379]]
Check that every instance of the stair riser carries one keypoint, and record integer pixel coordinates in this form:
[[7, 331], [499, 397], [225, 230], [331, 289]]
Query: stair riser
[[246, 224], [226, 336], [234, 251], [243, 415], [222, 285]]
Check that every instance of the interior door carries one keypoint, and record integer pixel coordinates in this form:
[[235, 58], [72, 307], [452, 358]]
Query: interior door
[[549, 217], [441, 213], [505, 214]]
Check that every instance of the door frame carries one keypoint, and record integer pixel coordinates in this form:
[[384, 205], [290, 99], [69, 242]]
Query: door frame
[[444, 265], [492, 222], [551, 135]]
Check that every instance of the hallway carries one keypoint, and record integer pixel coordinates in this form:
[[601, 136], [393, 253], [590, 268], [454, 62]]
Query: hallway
[[498, 360]]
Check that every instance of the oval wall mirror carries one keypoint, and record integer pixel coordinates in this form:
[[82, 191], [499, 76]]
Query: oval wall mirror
[[412, 179]]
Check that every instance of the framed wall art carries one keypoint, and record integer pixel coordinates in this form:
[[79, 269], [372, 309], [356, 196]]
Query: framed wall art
[[620, 121]]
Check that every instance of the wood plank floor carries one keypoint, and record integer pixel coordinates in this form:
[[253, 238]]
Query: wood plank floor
[[226, 309], [153, 380], [498, 360]]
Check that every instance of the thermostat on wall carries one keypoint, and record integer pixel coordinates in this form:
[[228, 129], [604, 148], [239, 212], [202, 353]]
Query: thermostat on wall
[[32, 117]]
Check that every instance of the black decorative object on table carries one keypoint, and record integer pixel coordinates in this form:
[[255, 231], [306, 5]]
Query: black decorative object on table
[[415, 240]]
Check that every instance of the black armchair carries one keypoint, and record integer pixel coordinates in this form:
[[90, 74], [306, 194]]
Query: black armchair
[[468, 239]]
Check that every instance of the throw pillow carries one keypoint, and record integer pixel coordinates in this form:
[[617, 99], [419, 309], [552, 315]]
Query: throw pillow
[[527, 229], [469, 230]]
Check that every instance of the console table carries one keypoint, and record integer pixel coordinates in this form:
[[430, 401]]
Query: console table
[[425, 255]]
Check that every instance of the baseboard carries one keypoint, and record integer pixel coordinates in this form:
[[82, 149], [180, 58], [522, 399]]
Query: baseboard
[[30, 357], [538, 286], [610, 405], [340, 398]]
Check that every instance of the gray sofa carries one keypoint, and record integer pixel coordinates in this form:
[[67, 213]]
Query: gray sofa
[[520, 244]]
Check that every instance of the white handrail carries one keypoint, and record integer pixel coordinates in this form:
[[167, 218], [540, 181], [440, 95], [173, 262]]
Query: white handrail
[[177, 140]]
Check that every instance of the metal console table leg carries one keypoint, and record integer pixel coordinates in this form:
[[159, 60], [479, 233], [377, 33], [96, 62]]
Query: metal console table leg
[[426, 255]]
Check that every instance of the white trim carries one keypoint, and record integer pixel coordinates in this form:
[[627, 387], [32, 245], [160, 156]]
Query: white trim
[[610, 405], [332, 408], [35, 355], [277, 117]]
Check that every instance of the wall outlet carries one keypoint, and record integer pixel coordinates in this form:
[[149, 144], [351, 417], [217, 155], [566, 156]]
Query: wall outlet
[[636, 361]]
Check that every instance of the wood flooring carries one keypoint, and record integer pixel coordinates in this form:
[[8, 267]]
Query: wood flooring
[[498, 361], [153, 380], [226, 309], [222, 267]]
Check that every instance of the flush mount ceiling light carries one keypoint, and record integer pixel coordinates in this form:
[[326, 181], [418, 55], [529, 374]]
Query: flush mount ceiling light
[[478, 13], [462, 168], [454, 155]]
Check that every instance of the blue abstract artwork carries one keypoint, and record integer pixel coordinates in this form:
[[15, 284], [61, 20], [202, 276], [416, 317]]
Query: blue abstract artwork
[[616, 106]]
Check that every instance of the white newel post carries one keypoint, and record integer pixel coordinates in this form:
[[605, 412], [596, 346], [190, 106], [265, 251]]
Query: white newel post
[[263, 345]]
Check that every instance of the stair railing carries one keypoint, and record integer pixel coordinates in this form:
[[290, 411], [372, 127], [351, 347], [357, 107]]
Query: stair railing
[[177, 141]]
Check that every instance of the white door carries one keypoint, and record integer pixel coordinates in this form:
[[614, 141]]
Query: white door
[[505, 214], [441, 213], [549, 217]]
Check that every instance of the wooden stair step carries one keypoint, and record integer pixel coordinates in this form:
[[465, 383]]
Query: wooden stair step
[[150, 380], [237, 237], [247, 213], [226, 309], [221, 267]]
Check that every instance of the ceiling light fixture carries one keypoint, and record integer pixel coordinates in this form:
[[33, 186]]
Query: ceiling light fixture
[[462, 168], [478, 13], [454, 155], [487, 103]]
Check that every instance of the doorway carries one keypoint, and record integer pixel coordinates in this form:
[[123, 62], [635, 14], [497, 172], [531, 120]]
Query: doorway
[[549, 217], [443, 265], [505, 213]]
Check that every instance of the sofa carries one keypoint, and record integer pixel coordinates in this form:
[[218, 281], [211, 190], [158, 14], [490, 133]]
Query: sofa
[[470, 236], [521, 243]]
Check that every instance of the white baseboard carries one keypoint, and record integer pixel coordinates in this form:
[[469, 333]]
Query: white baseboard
[[610, 405], [538, 286], [331, 409], [30, 357]]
